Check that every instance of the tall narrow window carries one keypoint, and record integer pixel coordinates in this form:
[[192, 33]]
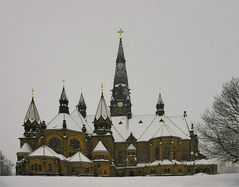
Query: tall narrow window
[[166, 153], [49, 167], [157, 154]]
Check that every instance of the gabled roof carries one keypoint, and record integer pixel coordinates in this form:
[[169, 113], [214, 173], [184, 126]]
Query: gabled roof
[[71, 124], [26, 148], [152, 126], [131, 147], [164, 162], [100, 147], [76, 115], [78, 157], [46, 151], [162, 126], [32, 113], [102, 109]]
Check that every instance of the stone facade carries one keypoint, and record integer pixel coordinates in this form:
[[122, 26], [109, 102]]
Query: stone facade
[[113, 142]]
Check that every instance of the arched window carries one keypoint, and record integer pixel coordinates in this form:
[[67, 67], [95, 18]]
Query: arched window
[[55, 143], [74, 144]]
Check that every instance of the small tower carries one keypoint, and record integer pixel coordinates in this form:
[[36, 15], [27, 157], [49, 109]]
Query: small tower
[[63, 108], [102, 121], [32, 121], [120, 104], [102, 160], [131, 159], [82, 106], [160, 106]]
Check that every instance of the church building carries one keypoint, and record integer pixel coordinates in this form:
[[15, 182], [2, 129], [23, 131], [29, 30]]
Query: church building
[[113, 142]]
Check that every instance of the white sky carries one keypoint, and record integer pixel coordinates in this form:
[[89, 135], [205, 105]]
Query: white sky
[[185, 49]]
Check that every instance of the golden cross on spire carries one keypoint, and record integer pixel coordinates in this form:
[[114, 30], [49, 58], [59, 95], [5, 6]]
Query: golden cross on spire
[[33, 94], [102, 88], [120, 32]]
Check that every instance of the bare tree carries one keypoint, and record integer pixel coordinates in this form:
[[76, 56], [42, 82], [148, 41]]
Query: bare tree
[[219, 127], [5, 165]]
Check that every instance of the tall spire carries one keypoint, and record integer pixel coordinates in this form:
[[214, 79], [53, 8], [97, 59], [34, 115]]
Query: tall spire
[[63, 108], [160, 106], [102, 121], [32, 114], [32, 121], [102, 109], [120, 100], [82, 106]]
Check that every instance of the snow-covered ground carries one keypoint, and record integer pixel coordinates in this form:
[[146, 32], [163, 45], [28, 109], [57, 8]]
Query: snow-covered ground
[[223, 180]]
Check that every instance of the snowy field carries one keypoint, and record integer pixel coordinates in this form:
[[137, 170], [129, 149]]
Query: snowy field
[[224, 180]]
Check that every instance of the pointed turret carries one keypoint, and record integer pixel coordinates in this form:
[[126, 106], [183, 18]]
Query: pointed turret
[[120, 101], [160, 106], [82, 106], [120, 55], [63, 108], [32, 120], [32, 114], [102, 121]]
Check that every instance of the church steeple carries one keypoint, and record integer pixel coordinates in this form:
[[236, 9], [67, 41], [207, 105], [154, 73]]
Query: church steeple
[[82, 106], [102, 121], [32, 120], [63, 108], [160, 106], [32, 114], [120, 55], [120, 101]]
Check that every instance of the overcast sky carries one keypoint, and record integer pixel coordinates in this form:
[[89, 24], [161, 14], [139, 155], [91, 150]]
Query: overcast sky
[[185, 49]]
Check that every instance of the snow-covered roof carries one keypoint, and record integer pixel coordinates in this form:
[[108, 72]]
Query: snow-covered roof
[[205, 161], [32, 113], [100, 147], [131, 147], [201, 162], [26, 148], [177, 162], [102, 109], [46, 151], [78, 157], [76, 115], [165, 162], [57, 122], [146, 127], [100, 160]]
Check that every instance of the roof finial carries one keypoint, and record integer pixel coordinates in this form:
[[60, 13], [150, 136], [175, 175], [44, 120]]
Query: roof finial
[[102, 88], [63, 83], [120, 32], [33, 94]]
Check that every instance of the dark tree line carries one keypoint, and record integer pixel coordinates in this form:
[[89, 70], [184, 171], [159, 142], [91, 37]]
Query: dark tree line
[[5, 165], [220, 125]]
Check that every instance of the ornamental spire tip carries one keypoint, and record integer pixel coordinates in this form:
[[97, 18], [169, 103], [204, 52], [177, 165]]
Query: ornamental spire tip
[[33, 94], [120, 32], [102, 88]]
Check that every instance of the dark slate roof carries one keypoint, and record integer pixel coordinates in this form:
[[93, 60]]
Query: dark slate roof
[[32, 113]]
